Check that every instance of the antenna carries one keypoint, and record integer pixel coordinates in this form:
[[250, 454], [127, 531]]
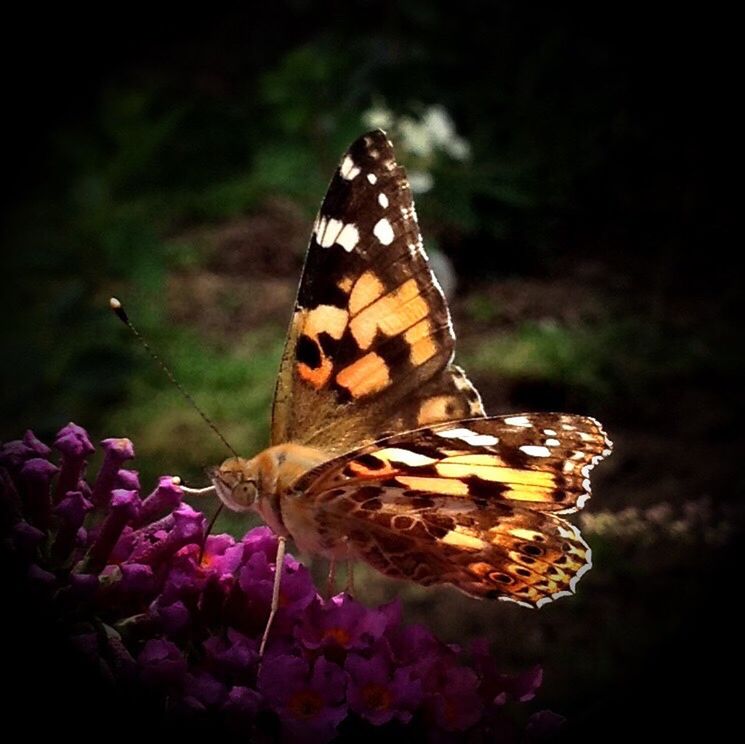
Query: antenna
[[120, 313]]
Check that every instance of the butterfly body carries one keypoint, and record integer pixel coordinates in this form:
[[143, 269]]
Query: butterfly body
[[381, 450]]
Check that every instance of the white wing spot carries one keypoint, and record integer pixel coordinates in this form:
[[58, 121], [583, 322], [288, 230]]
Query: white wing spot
[[383, 200], [327, 231], [470, 437], [582, 500], [553, 443], [383, 231], [396, 454], [348, 238], [517, 421], [348, 169], [549, 432], [372, 178], [535, 450], [409, 213]]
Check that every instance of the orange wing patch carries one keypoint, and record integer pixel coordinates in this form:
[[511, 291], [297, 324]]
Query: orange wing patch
[[391, 314], [364, 292], [367, 375], [313, 365], [419, 338]]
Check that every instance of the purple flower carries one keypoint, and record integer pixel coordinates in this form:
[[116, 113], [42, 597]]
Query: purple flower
[[187, 528], [202, 688], [256, 581], [73, 442], [161, 664], [151, 602], [71, 512], [84, 586], [242, 705], [503, 688], [341, 622], [137, 579], [413, 644], [26, 539], [39, 577], [173, 618], [234, 655], [454, 703], [310, 703], [128, 479], [14, 454], [222, 556], [124, 508], [117, 450], [379, 692], [165, 498], [34, 478], [261, 540]]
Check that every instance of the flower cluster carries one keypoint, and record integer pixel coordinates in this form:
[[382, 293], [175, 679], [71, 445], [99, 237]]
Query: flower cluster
[[157, 605], [424, 138]]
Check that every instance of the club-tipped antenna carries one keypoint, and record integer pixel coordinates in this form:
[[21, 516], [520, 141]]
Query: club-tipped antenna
[[120, 313]]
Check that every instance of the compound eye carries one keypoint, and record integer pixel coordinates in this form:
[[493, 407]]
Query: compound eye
[[244, 493]]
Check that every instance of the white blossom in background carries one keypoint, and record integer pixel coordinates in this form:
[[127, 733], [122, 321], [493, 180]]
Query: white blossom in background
[[444, 270], [415, 137], [420, 181], [378, 117], [441, 130], [424, 138]]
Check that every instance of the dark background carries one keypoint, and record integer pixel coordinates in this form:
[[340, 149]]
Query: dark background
[[176, 159]]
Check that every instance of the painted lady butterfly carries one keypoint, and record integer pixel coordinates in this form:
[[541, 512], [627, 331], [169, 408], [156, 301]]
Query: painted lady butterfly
[[381, 450]]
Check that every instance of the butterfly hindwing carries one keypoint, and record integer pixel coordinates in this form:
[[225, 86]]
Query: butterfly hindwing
[[370, 344], [496, 550], [472, 503]]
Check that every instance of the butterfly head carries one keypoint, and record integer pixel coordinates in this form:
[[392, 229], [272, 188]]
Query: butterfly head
[[235, 482]]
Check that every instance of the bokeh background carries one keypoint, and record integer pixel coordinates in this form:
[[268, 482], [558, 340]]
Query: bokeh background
[[573, 166]]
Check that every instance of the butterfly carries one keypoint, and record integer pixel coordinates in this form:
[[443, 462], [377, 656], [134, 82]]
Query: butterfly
[[380, 447]]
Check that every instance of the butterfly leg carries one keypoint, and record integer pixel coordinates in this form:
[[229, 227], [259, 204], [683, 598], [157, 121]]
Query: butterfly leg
[[278, 565], [331, 579], [349, 588]]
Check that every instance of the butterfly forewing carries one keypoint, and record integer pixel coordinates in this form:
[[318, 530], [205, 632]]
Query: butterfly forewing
[[370, 343]]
